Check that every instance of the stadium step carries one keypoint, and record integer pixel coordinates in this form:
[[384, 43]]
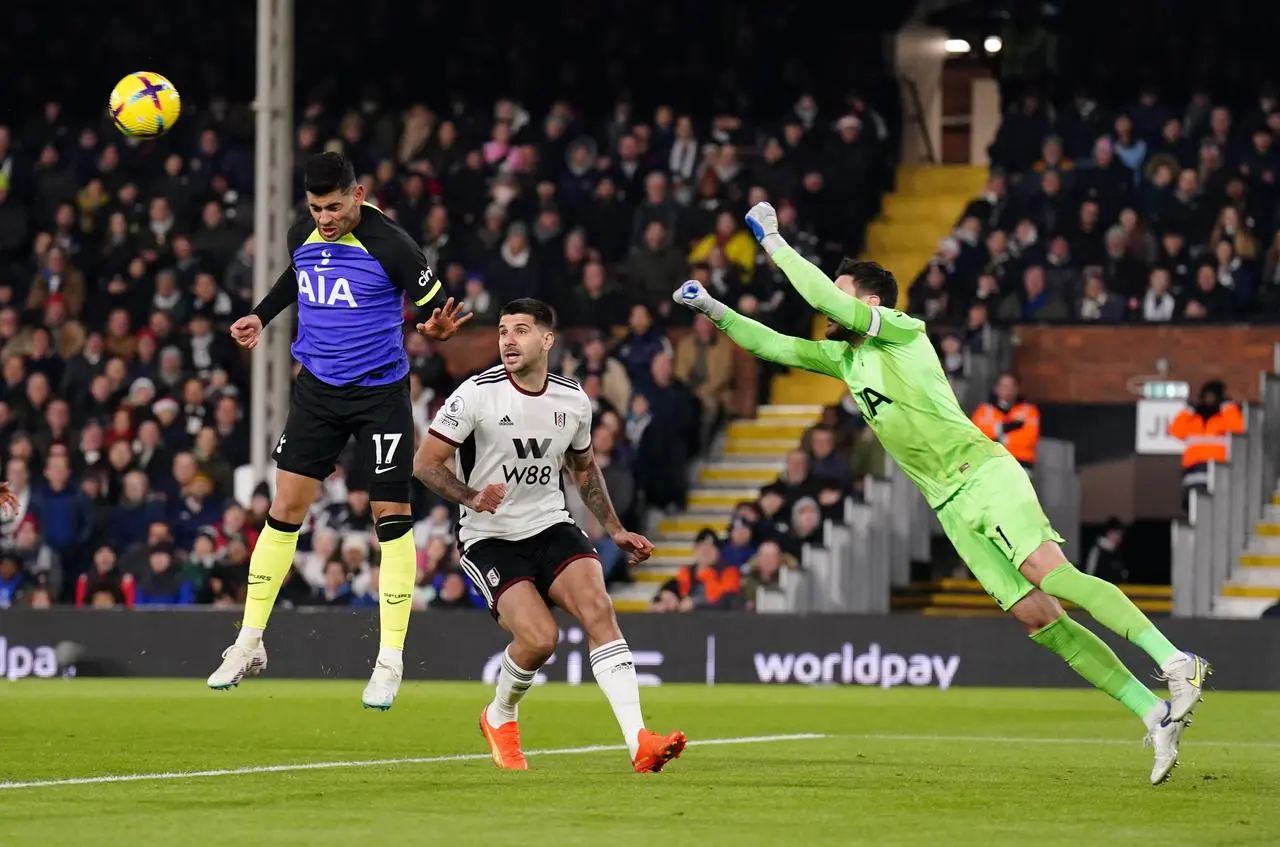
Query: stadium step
[[1260, 560], [1270, 592], [799, 384], [776, 448], [719, 498], [796, 411], [1270, 529], [688, 526], [680, 552], [936, 209], [649, 573], [740, 474], [932, 180], [1250, 608], [792, 429], [903, 236], [1264, 576]]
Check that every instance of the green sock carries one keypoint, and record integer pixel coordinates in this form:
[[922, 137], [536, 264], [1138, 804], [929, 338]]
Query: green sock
[[395, 586], [1089, 656], [1109, 607]]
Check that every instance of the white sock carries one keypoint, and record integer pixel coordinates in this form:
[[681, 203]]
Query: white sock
[[390, 656], [249, 637], [513, 682], [615, 672]]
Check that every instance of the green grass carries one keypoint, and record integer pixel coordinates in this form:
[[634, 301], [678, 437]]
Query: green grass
[[897, 767]]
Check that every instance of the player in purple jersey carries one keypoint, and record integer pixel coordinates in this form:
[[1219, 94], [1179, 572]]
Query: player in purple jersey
[[350, 269]]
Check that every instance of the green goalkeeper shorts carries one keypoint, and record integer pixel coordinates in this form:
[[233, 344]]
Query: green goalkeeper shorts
[[995, 522]]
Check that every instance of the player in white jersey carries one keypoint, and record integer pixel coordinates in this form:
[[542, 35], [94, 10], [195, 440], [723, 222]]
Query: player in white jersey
[[514, 428]]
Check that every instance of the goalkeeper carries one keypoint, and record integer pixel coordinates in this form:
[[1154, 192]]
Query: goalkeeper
[[981, 494]]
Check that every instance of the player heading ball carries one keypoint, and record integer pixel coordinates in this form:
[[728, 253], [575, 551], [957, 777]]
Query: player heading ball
[[350, 269], [513, 430]]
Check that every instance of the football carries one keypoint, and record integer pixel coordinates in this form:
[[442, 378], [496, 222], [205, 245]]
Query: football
[[144, 105]]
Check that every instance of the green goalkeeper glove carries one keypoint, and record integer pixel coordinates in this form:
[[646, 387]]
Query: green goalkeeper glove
[[693, 295]]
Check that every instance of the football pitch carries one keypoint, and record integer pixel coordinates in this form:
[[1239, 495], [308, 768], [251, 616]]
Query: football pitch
[[128, 762]]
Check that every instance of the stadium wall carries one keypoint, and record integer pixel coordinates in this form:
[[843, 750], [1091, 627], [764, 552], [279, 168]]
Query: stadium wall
[[879, 651]]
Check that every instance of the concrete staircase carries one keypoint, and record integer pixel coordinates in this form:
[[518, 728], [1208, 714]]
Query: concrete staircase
[[1255, 580], [926, 203], [751, 456]]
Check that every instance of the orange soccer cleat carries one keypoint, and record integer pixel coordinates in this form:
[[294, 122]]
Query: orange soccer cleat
[[504, 743], [656, 750]]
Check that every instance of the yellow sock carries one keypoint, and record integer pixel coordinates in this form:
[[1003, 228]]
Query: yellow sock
[[395, 579], [270, 563]]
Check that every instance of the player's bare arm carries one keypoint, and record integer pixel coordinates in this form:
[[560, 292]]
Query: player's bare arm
[[431, 469], [589, 478]]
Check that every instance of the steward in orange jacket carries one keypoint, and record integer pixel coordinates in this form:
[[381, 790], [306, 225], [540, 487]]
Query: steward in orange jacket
[[1203, 430], [1011, 420]]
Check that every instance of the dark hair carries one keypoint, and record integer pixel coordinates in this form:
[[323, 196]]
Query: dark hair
[[871, 278], [541, 313], [328, 172]]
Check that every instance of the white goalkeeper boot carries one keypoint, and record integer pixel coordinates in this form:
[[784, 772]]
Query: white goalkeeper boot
[[1186, 674], [1163, 735], [238, 661], [384, 684]]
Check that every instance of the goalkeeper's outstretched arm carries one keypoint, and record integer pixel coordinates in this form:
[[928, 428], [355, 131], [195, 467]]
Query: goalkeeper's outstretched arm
[[755, 337], [817, 288]]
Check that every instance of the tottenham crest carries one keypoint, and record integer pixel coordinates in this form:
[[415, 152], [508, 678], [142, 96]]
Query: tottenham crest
[[560, 420]]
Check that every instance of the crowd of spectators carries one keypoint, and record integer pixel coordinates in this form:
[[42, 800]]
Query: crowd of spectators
[[1134, 212], [732, 564], [123, 413]]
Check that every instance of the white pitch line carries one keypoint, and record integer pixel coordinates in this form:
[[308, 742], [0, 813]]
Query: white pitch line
[[369, 763], [1010, 739]]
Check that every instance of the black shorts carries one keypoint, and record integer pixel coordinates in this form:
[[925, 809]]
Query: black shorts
[[321, 419], [494, 565]]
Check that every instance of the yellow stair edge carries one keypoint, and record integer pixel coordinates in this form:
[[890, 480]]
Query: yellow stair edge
[[764, 476], [1268, 529], [631, 606], [674, 526], [1265, 592], [673, 551], [1260, 560]]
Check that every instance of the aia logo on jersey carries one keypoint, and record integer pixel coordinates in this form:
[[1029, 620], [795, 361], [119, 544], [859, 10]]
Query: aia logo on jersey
[[560, 416]]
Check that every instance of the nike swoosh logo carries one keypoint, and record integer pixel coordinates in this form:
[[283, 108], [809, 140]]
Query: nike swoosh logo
[[1198, 680], [394, 602], [384, 470]]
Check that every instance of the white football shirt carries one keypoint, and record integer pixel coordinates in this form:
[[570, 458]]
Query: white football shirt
[[504, 434]]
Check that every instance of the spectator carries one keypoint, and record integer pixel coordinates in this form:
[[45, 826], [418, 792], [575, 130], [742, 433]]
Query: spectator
[[704, 363], [1104, 559], [644, 341], [137, 510], [1011, 420], [39, 563], [734, 243], [1158, 304], [667, 438], [707, 583], [739, 547], [595, 305], [63, 515], [453, 593], [1097, 303], [12, 579], [764, 572], [825, 461], [1034, 302], [1204, 427], [654, 263], [615, 385], [335, 590], [161, 584], [104, 576]]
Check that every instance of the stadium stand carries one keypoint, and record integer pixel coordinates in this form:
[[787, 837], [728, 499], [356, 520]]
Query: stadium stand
[[123, 410]]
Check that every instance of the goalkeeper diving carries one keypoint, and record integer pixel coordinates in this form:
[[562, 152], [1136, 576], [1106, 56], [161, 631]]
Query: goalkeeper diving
[[982, 496]]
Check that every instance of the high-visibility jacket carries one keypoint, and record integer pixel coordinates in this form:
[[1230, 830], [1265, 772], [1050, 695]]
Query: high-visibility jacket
[[1018, 429], [716, 582], [1205, 438]]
